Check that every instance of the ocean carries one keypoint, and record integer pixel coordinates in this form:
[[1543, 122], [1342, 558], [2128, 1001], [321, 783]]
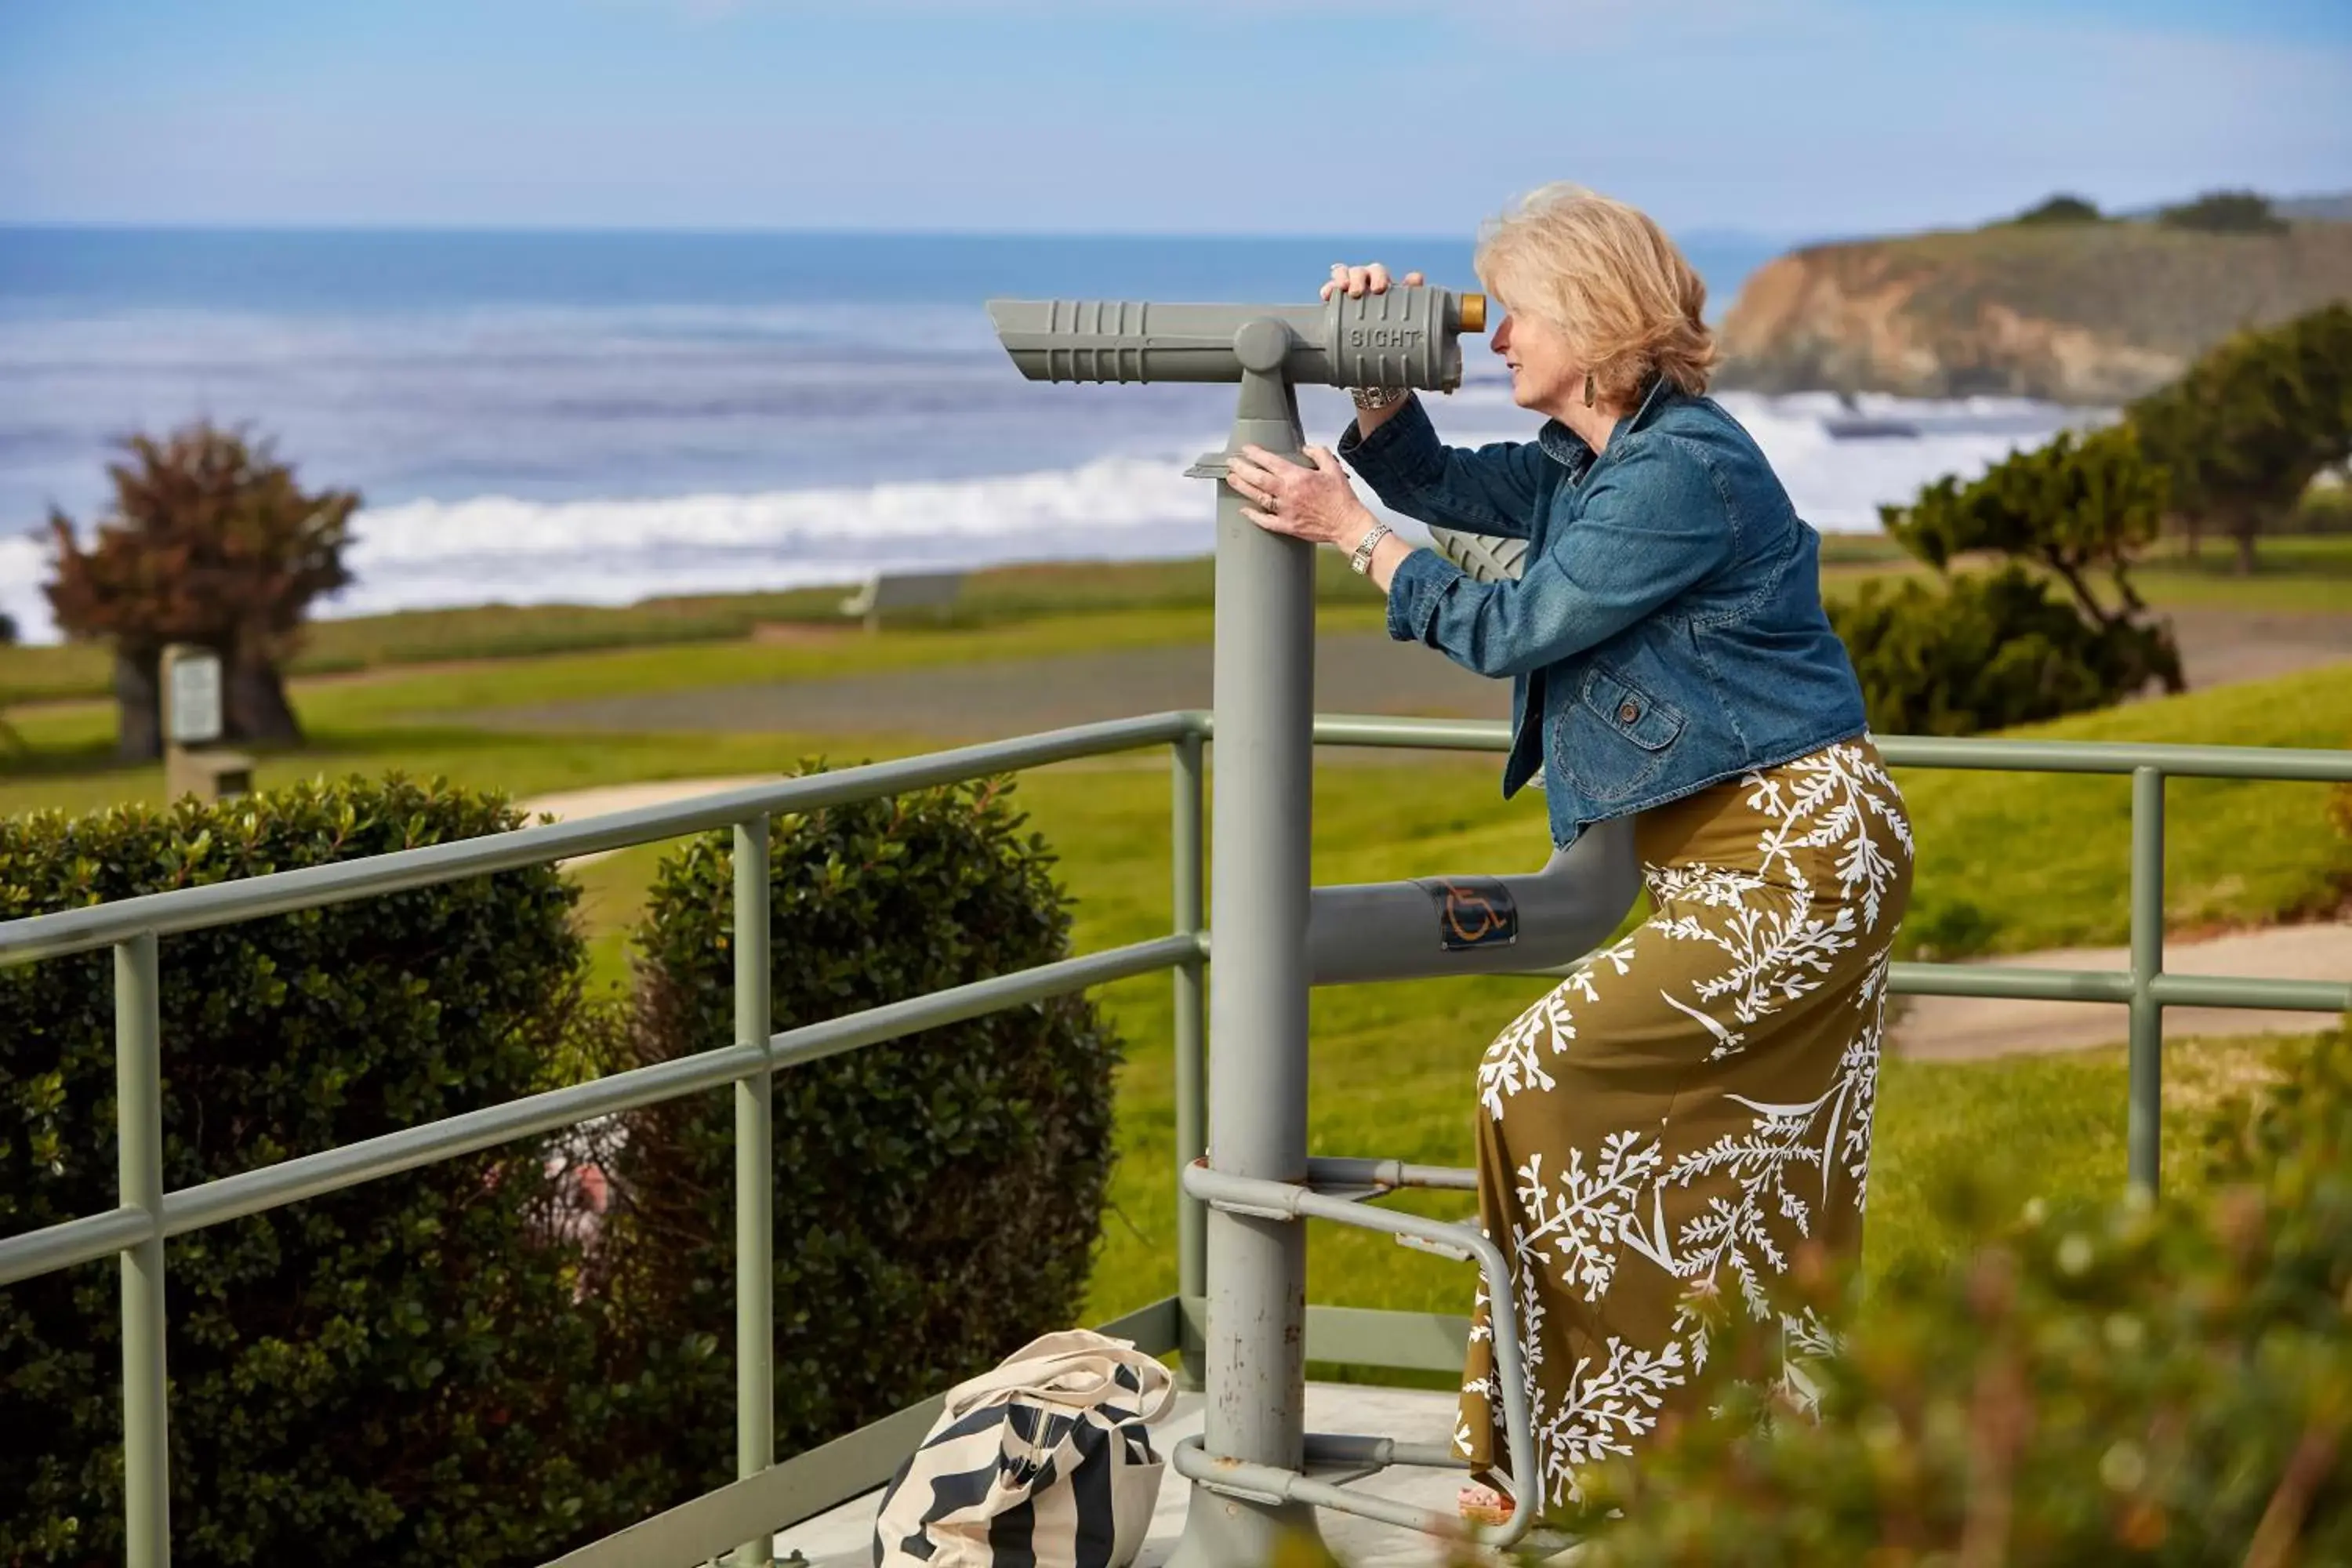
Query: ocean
[[603, 418]]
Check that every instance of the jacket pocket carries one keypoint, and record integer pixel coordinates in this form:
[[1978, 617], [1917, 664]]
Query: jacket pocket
[[1615, 737]]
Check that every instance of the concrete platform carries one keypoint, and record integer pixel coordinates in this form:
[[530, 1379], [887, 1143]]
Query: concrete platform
[[844, 1538]]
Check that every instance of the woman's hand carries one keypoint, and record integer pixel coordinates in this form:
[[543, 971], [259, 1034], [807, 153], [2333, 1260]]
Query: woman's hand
[[1357, 281], [1318, 504]]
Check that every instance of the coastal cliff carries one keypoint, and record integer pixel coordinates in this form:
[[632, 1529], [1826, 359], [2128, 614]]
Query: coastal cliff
[[2081, 313]]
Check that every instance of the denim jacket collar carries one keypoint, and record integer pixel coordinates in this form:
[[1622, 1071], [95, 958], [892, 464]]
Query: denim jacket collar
[[1568, 449]]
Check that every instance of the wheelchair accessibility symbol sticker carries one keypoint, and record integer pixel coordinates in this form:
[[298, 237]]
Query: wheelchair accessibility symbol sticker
[[1471, 912]]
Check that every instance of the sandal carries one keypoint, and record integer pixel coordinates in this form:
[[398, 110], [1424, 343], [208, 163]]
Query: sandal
[[1481, 1504]]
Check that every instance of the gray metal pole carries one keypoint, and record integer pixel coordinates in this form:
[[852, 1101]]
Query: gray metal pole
[[1192, 1057], [139, 1162], [755, 1181], [1265, 678]]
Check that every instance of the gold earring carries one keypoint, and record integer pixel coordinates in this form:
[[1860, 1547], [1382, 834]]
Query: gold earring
[[1587, 389]]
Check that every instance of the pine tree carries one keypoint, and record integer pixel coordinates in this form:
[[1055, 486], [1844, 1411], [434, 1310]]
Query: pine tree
[[2251, 425]]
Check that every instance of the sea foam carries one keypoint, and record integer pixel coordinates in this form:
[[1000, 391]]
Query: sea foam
[[515, 549]]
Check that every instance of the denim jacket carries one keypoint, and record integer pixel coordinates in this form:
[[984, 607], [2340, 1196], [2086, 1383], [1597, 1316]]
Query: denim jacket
[[1667, 632]]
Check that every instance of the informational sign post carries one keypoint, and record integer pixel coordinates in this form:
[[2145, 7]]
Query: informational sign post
[[192, 697], [191, 685]]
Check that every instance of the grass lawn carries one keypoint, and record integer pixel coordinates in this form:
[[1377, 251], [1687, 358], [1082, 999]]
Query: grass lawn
[[1393, 1065], [786, 635], [1017, 611], [2007, 863], [2301, 572]]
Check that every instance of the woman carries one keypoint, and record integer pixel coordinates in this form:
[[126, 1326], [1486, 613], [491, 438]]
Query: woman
[[1660, 1138]]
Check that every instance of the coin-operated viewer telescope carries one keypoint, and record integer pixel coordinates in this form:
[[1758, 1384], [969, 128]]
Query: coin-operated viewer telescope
[[1257, 1472]]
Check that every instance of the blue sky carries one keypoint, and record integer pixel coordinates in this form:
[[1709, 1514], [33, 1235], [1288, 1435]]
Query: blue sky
[[1781, 116]]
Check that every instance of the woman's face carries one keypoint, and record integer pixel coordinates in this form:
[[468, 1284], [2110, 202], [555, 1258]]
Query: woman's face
[[1544, 372]]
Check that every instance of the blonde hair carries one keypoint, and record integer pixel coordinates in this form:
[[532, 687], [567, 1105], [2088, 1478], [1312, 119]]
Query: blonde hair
[[1606, 275]]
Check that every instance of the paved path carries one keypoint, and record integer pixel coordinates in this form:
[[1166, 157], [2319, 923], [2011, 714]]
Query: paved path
[[1355, 672], [2219, 646], [1360, 672], [568, 805]]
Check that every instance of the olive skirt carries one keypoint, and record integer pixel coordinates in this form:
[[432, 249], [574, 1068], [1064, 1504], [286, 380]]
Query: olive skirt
[[1660, 1135]]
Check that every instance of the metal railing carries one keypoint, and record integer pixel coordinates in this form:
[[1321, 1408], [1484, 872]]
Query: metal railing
[[738, 1518]]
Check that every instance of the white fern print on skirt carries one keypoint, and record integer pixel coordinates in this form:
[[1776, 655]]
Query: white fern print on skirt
[[1663, 1134]]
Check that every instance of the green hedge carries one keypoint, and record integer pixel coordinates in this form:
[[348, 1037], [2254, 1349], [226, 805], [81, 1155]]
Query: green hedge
[[1986, 650], [936, 1198], [448, 1366], [398, 1374]]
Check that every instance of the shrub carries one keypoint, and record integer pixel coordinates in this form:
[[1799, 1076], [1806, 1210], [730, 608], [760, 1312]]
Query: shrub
[[2225, 212], [2059, 209], [2118, 1383], [2077, 506], [1986, 652], [936, 1198], [394, 1374], [1989, 650], [2325, 508]]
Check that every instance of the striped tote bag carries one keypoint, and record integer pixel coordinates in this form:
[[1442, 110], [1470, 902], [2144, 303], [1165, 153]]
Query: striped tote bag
[[1044, 1462]]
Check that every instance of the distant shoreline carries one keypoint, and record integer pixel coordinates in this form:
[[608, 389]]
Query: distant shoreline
[[537, 416]]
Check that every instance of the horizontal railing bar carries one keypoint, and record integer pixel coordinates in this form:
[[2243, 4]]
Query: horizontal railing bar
[[2311, 764], [2276, 764], [2014, 983], [1356, 1171], [2242, 991], [2010, 982], [1426, 734], [1272, 1483], [702, 1529], [332, 1170], [312, 887], [1335, 1449], [315, 887], [813, 1042], [75, 1241]]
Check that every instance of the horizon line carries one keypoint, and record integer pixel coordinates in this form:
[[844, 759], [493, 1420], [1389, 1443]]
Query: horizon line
[[778, 231]]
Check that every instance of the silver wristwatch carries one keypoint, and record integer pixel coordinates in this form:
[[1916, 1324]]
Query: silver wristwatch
[[1362, 561], [1372, 398]]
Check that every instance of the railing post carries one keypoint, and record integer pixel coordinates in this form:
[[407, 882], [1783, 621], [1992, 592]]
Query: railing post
[[2144, 1134], [755, 1177], [1191, 1059], [139, 1133]]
